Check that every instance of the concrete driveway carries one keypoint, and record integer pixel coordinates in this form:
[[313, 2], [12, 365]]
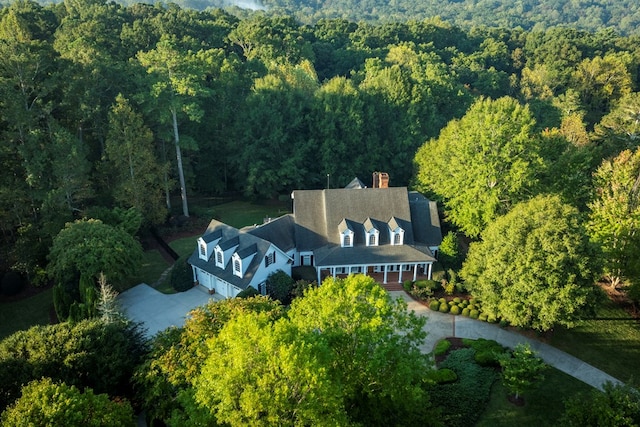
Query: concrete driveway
[[157, 311]]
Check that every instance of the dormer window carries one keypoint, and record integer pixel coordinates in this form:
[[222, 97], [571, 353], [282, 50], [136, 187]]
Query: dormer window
[[372, 233], [345, 228], [219, 257], [203, 250], [397, 238], [237, 266], [396, 232]]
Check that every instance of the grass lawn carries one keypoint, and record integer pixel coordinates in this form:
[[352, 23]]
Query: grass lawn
[[241, 213], [152, 266], [610, 345], [543, 405], [23, 314]]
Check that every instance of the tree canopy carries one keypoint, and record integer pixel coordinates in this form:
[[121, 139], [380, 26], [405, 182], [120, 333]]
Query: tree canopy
[[482, 164], [535, 266]]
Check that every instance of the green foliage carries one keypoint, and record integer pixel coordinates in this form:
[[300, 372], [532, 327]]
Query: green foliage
[[181, 275], [521, 369], [464, 400], [45, 403], [61, 302], [443, 308], [177, 355], [90, 247], [615, 216], [618, 405], [250, 292], [538, 289], [11, 283], [434, 305], [474, 314], [454, 310], [441, 347], [487, 351], [448, 252], [443, 376], [301, 286], [74, 354], [466, 311], [280, 286], [407, 285], [478, 176]]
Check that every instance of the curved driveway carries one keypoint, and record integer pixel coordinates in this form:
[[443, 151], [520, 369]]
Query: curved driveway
[[158, 311], [440, 325]]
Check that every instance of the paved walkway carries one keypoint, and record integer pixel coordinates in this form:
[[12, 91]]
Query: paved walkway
[[158, 311], [441, 325]]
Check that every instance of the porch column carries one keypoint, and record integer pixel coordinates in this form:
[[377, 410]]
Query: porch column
[[400, 273], [415, 271], [429, 271], [333, 272], [384, 281], [319, 275]]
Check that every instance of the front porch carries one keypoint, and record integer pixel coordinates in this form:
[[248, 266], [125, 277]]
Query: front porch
[[383, 274]]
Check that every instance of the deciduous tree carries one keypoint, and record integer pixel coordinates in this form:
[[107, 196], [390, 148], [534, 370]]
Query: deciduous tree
[[482, 164], [535, 266]]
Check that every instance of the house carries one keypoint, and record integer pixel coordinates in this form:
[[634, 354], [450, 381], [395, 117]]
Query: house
[[388, 232]]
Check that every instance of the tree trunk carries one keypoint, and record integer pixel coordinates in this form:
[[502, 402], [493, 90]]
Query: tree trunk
[[183, 187]]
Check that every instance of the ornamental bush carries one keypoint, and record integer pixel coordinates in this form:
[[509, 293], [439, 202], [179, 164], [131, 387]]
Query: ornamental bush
[[465, 311], [444, 307], [482, 317], [442, 347], [443, 376], [407, 285], [454, 309], [474, 314], [181, 275], [434, 305], [249, 292]]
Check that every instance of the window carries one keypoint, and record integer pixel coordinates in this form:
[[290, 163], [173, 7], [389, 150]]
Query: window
[[270, 259], [203, 250], [347, 240], [372, 239], [237, 268], [219, 259], [397, 239]]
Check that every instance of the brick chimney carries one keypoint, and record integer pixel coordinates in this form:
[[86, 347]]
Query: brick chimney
[[380, 180]]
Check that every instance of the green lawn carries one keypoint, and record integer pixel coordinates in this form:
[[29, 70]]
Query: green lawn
[[610, 345], [543, 405], [240, 213], [23, 314], [152, 266]]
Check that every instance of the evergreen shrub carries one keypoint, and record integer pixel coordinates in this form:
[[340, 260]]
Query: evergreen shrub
[[434, 305], [454, 310], [444, 308], [474, 314], [442, 347], [466, 311]]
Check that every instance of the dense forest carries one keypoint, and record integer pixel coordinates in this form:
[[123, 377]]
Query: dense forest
[[622, 16], [110, 106]]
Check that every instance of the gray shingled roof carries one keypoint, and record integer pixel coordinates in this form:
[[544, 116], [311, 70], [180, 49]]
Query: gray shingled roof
[[318, 213], [356, 184], [246, 243], [278, 231], [335, 255], [425, 219]]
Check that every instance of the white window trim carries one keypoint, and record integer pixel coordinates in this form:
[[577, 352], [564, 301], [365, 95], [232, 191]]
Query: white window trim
[[219, 254], [235, 259], [375, 234], [398, 232], [346, 234]]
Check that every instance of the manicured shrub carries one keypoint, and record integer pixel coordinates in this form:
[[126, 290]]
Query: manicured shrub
[[427, 284], [248, 293], [11, 284], [487, 351], [444, 307], [465, 311], [492, 319], [451, 303], [454, 309], [482, 317], [473, 301], [474, 314], [471, 307], [181, 275], [442, 300], [434, 305], [461, 306], [442, 347], [457, 300], [465, 302], [443, 376], [407, 285]]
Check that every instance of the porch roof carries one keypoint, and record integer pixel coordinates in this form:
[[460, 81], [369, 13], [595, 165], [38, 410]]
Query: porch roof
[[335, 255]]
